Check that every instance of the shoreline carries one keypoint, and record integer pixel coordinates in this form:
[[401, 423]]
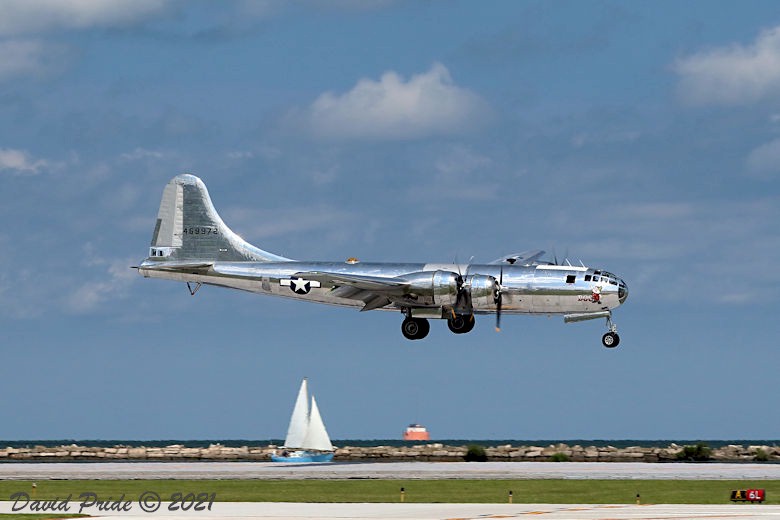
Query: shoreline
[[430, 452]]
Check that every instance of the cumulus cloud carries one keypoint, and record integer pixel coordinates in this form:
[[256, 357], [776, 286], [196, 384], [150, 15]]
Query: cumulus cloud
[[764, 161], [23, 53], [461, 173], [113, 284], [19, 162], [29, 58], [30, 16], [391, 109], [648, 237], [732, 75], [260, 224], [140, 154]]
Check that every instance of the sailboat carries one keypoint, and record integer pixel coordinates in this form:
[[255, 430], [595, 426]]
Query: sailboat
[[307, 440]]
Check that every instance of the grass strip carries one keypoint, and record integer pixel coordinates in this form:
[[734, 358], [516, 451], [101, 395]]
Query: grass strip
[[415, 491]]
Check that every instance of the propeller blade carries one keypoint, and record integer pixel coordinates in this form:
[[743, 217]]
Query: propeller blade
[[499, 298], [498, 315], [461, 300]]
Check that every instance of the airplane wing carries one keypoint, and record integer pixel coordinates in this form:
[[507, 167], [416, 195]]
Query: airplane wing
[[373, 291], [366, 283], [524, 258]]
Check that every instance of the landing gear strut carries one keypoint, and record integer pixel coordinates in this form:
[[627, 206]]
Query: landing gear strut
[[415, 328], [461, 324], [611, 338]]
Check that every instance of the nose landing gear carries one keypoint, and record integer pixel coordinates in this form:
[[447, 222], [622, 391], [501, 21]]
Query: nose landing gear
[[611, 338]]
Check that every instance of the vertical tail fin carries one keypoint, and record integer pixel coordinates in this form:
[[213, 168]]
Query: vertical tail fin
[[188, 228]]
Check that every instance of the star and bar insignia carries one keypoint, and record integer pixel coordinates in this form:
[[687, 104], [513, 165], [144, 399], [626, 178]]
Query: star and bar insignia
[[299, 285]]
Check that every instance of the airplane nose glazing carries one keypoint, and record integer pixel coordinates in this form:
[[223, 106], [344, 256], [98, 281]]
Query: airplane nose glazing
[[622, 291]]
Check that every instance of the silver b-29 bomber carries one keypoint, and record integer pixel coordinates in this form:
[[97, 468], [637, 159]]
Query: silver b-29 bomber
[[192, 244]]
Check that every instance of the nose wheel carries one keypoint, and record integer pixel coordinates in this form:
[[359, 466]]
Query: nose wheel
[[611, 338], [415, 328]]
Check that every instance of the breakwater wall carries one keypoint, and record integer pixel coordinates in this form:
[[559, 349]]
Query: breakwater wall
[[423, 452]]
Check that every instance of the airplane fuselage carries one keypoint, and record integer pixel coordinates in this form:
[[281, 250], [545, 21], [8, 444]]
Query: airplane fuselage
[[190, 243], [546, 289]]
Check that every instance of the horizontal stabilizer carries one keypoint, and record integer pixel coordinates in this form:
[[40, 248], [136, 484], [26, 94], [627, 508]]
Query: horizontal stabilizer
[[174, 266]]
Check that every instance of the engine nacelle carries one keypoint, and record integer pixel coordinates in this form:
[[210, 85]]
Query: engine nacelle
[[434, 287], [483, 290]]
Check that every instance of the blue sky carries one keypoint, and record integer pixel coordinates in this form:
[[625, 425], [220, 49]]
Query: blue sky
[[640, 137]]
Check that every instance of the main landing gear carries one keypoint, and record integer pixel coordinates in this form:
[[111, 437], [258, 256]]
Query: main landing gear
[[418, 328], [611, 338], [461, 324], [415, 328]]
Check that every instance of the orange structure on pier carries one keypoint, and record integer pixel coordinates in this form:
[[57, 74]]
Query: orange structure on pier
[[416, 432]]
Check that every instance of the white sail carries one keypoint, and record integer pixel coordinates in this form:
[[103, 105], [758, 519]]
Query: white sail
[[299, 421], [317, 436]]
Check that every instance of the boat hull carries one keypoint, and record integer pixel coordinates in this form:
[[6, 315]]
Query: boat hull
[[303, 456]]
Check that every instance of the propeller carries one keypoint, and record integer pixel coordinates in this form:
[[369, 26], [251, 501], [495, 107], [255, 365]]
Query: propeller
[[462, 302], [498, 299]]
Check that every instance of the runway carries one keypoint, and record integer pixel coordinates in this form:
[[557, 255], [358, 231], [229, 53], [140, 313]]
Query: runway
[[287, 511], [386, 470], [411, 471]]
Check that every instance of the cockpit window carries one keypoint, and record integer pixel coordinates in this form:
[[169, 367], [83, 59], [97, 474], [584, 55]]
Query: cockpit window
[[596, 278], [587, 277]]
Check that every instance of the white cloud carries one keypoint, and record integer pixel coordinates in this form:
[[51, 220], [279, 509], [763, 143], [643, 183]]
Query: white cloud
[[764, 161], [29, 58], [585, 139], [113, 285], [732, 75], [260, 224], [240, 155], [141, 154], [391, 108], [348, 5], [462, 173], [682, 251], [30, 16], [34, 57], [460, 163], [19, 162]]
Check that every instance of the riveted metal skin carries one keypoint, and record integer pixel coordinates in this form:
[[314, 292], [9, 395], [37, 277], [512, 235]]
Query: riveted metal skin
[[191, 243]]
